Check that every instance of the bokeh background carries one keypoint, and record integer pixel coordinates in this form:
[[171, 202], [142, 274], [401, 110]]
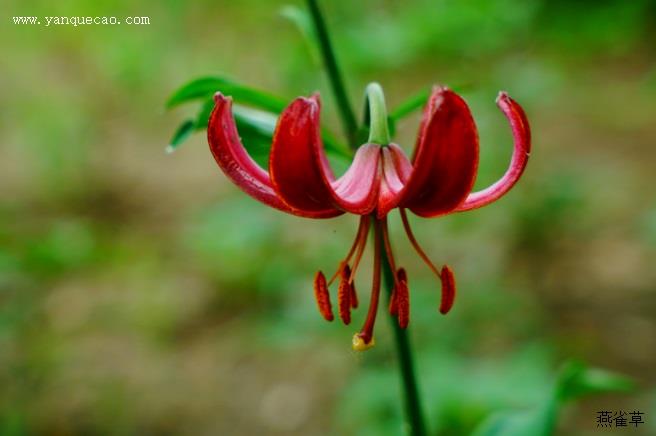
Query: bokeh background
[[142, 293]]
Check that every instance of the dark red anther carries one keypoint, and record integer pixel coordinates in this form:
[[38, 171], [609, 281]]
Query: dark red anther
[[322, 296], [344, 293], [393, 306], [401, 275], [402, 298], [448, 289], [354, 294]]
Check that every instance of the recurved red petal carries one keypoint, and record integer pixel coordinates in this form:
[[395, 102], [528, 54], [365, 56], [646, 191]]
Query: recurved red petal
[[426, 116], [522, 148], [396, 171], [299, 169], [446, 158], [357, 190], [233, 159]]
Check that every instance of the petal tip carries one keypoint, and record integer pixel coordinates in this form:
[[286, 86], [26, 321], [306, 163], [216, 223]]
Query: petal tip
[[220, 98], [315, 97], [502, 97]]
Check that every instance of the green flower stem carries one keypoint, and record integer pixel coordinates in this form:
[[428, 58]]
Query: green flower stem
[[413, 409], [379, 131], [376, 113], [346, 113]]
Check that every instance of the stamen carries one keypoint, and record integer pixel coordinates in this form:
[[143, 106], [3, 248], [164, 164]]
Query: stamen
[[322, 296], [446, 275], [402, 298], [361, 247], [393, 305], [354, 294], [415, 244], [364, 339], [363, 229], [388, 248], [344, 297], [448, 290]]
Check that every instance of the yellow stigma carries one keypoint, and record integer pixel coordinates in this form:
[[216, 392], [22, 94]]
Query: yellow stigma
[[360, 345]]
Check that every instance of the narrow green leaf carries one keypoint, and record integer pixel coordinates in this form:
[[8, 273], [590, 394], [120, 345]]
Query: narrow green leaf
[[205, 87], [577, 380], [303, 22], [410, 105], [535, 422], [264, 124], [181, 134], [203, 116], [196, 89], [260, 125], [418, 101]]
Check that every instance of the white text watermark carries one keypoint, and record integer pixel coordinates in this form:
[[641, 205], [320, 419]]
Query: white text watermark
[[79, 21]]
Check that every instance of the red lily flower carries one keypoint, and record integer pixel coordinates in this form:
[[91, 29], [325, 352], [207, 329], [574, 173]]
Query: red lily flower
[[437, 181]]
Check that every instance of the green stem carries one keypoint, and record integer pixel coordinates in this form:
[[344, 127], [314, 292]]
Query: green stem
[[379, 131], [376, 115], [413, 409], [349, 122]]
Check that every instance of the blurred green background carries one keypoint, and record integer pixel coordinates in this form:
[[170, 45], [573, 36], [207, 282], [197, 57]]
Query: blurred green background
[[142, 293]]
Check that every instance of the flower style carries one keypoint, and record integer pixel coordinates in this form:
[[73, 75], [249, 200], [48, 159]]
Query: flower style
[[438, 180]]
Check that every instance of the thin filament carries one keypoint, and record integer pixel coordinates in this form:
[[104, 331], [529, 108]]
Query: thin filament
[[358, 255], [388, 247], [415, 244], [363, 227]]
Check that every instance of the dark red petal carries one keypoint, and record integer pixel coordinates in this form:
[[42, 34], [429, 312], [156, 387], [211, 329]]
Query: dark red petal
[[357, 190], [426, 116], [299, 169], [445, 160], [522, 148], [396, 172], [233, 159]]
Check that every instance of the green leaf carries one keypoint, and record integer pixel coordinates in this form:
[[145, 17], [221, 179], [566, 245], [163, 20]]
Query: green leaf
[[418, 101], [534, 422], [263, 124], [196, 89], [253, 125], [181, 134], [303, 23], [256, 131], [203, 116], [574, 381], [205, 87], [410, 105]]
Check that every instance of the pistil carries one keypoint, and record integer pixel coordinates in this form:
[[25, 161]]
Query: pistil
[[364, 339]]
